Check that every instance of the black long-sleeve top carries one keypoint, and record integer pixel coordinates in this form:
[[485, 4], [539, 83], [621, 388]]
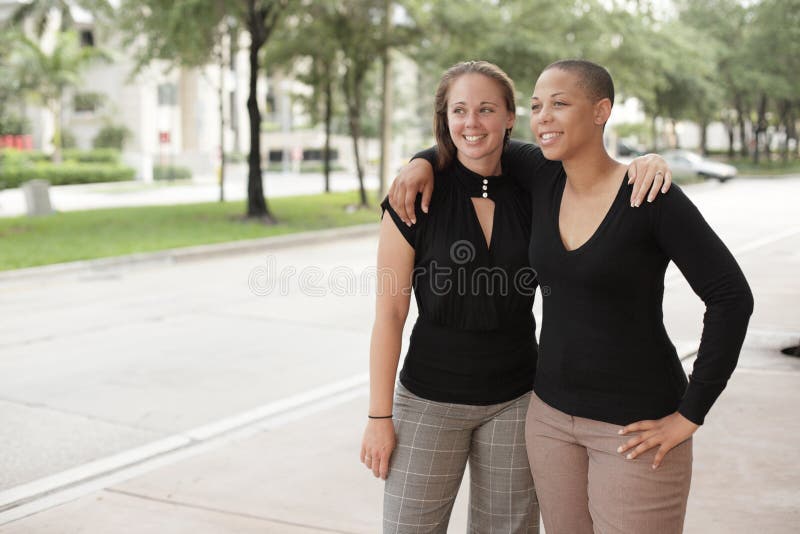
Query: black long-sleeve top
[[604, 351], [474, 340]]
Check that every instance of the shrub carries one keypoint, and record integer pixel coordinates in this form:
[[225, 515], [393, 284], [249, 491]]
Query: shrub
[[235, 157], [13, 175], [96, 155], [171, 172], [68, 139], [13, 124], [111, 136]]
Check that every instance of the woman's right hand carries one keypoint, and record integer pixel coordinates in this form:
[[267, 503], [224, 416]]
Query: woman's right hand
[[377, 446], [414, 177]]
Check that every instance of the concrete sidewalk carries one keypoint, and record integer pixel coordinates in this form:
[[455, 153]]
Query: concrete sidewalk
[[199, 189], [304, 477]]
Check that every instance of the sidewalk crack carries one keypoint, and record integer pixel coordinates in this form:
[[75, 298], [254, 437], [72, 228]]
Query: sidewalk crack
[[226, 512]]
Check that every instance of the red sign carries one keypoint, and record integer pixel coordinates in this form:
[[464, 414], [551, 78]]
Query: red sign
[[163, 138]]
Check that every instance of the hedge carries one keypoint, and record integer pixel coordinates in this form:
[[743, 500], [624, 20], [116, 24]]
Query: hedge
[[96, 155], [65, 173], [171, 172]]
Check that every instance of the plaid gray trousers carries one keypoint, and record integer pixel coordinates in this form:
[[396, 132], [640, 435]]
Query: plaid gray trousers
[[434, 442]]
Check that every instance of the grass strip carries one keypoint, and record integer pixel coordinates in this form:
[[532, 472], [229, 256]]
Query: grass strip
[[83, 235]]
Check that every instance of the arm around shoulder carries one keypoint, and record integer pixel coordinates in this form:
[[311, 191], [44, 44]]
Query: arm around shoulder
[[414, 177]]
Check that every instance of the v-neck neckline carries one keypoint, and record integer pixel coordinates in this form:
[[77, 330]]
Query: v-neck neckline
[[597, 231], [486, 241]]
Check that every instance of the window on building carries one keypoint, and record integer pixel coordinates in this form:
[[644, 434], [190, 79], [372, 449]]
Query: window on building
[[167, 94], [87, 102], [87, 38], [270, 104]]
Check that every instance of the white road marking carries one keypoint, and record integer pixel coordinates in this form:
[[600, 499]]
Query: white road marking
[[676, 276], [33, 497]]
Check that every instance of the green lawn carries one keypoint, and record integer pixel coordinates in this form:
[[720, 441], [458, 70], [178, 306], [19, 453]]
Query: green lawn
[[765, 168], [81, 235]]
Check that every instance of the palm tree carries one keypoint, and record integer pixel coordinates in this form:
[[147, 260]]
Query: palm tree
[[40, 12], [48, 74]]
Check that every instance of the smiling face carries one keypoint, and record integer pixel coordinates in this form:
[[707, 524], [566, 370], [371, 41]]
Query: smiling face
[[478, 117], [564, 118]]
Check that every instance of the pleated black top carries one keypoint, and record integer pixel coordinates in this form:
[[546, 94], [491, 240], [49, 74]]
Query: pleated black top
[[474, 341]]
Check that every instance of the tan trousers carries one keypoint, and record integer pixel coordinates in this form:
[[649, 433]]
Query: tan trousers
[[586, 487]]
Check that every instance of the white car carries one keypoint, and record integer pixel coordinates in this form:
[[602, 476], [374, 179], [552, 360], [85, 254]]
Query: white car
[[685, 162]]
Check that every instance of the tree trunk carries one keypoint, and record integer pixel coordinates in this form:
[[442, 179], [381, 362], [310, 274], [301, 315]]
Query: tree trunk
[[234, 108], [57, 129], [654, 131], [256, 203], [221, 98], [386, 107], [326, 162], [704, 137], [761, 126], [677, 143], [353, 97], [791, 127], [740, 113], [729, 127]]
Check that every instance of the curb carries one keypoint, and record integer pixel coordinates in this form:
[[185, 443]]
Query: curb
[[193, 253]]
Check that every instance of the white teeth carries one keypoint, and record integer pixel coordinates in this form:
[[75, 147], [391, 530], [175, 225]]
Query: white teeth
[[549, 135], [473, 137]]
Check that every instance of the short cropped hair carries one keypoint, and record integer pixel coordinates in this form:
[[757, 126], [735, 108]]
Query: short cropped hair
[[445, 148], [592, 78]]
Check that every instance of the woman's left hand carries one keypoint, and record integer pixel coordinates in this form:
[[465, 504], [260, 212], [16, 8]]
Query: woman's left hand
[[664, 433], [648, 174]]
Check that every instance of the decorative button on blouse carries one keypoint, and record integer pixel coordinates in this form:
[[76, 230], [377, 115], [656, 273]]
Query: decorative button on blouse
[[476, 185]]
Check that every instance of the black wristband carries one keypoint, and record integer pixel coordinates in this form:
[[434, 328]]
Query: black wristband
[[381, 416]]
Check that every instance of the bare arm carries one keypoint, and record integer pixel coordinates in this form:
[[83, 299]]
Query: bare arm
[[395, 266]]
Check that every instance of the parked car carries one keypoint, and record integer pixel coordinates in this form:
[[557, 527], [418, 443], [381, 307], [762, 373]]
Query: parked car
[[626, 150], [686, 162]]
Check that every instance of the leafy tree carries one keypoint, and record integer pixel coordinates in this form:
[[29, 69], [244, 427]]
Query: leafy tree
[[47, 75], [10, 88], [775, 45], [189, 32], [260, 18], [358, 31], [186, 34], [111, 136], [304, 45], [729, 24]]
